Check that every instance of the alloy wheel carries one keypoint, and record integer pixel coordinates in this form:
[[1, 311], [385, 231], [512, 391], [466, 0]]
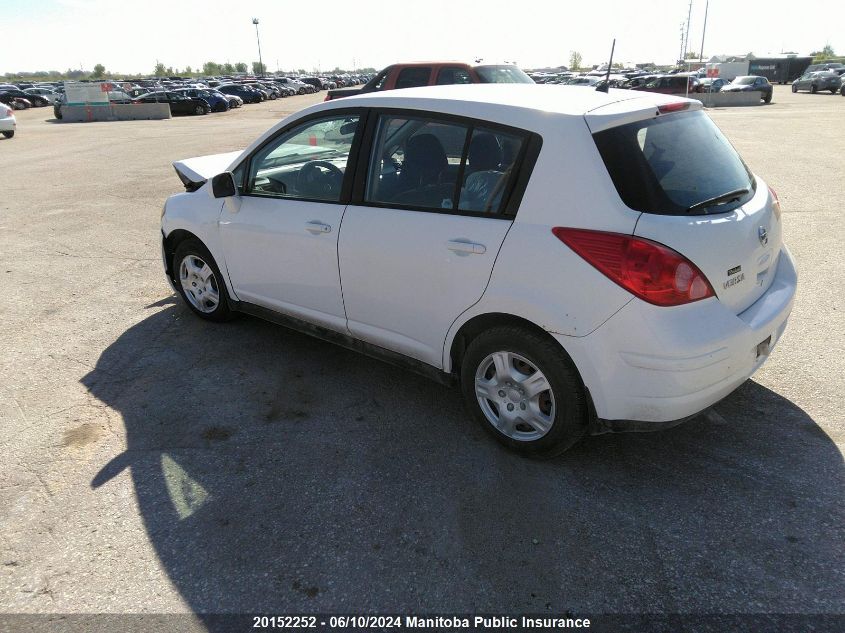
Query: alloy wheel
[[199, 284], [515, 396]]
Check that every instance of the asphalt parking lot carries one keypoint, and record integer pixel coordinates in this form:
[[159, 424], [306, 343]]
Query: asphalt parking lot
[[155, 463]]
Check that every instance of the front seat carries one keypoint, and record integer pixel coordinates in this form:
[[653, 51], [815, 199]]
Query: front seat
[[419, 182]]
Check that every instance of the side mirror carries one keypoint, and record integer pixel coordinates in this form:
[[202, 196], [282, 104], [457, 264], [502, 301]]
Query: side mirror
[[223, 185]]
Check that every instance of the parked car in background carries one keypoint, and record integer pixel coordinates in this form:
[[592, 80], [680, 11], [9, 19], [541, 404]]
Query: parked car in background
[[246, 94], [751, 83], [416, 74], [35, 100], [179, 103], [294, 84], [8, 122], [670, 85], [45, 93], [711, 84], [583, 81], [316, 82], [652, 307], [217, 100], [816, 81]]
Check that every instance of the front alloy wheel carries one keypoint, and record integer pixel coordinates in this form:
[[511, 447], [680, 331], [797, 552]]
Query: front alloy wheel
[[198, 280], [199, 284]]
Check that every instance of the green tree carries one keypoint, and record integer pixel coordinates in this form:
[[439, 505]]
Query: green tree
[[210, 68], [227, 68], [99, 71], [189, 70], [575, 60], [824, 54], [258, 68], [691, 55], [240, 67], [160, 70]]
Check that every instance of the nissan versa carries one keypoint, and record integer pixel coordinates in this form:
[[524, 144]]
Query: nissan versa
[[577, 261]]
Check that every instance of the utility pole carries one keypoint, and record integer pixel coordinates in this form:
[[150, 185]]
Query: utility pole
[[260, 62], [686, 36], [703, 31]]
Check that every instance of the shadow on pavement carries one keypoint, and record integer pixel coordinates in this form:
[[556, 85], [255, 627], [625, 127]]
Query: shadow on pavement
[[277, 473]]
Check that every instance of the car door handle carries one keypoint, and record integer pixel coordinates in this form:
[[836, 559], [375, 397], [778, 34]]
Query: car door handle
[[463, 246], [316, 227]]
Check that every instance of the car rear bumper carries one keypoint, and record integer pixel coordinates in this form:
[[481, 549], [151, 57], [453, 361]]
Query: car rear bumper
[[648, 364], [8, 124]]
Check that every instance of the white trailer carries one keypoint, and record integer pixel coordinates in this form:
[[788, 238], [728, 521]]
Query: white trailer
[[727, 70]]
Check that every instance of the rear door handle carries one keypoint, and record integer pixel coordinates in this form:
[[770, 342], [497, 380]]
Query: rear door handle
[[464, 246], [316, 227]]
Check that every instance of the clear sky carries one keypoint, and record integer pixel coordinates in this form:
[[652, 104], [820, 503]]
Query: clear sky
[[130, 35]]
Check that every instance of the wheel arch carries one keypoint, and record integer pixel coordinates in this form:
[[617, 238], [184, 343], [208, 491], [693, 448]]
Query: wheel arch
[[478, 324], [169, 245]]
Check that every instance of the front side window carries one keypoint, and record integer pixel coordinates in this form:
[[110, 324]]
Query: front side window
[[413, 77], [308, 162], [437, 165]]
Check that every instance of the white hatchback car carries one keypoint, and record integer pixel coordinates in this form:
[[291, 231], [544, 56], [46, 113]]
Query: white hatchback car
[[8, 122], [577, 261]]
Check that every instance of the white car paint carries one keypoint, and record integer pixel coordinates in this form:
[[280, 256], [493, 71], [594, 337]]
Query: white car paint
[[403, 289], [8, 122]]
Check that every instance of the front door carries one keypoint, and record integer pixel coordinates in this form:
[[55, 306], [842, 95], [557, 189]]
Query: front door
[[280, 233]]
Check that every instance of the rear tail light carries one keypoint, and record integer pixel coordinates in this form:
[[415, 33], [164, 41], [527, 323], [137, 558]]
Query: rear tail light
[[651, 271], [775, 203]]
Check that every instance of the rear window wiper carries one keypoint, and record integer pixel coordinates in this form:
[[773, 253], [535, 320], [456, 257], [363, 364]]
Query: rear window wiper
[[722, 199]]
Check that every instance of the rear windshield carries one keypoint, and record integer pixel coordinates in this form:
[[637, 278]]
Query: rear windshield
[[669, 165], [502, 75]]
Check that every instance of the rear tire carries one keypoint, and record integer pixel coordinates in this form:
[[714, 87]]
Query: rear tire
[[199, 282], [768, 98], [9, 134], [543, 410], [813, 89], [794, 88]]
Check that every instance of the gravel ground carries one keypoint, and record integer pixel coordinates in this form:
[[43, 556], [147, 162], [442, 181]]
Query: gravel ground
[[154, 463]]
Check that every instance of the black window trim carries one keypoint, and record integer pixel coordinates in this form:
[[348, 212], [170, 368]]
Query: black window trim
[[351, 164], [526, 159]]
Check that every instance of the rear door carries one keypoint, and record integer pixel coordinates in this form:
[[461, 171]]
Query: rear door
[[419, 240], [699, 198]]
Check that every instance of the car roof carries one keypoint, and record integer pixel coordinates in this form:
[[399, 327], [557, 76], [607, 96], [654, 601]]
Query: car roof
[[555, 99]]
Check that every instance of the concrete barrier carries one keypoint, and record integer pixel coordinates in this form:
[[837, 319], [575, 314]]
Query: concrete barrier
[[727, 99], [116, 112]]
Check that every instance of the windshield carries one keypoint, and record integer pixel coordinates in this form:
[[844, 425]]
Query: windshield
[[502, 75], [666, 165], [744, 81]]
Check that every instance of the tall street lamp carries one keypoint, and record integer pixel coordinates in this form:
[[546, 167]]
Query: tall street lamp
[[260, 62]]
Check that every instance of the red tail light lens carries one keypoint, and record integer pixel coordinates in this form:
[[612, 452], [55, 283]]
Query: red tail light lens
[[651, 271]]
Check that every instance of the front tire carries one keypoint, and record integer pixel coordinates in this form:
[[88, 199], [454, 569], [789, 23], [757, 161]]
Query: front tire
[[794, 88], [524, 390], [199, 281], [813, 89], [9, 134]]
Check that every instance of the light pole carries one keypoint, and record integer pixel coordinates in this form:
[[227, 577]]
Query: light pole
[[258, 39]]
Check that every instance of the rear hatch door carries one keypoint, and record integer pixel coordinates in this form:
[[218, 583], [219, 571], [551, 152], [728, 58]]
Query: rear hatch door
[[697, 197]]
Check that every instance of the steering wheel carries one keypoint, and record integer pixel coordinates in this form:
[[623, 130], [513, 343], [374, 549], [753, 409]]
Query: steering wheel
[[319, 178]]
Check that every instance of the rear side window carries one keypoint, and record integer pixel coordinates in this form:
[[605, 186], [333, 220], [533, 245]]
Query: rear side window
[[451, 75], [413, 77], [428, 164], [671, 164]]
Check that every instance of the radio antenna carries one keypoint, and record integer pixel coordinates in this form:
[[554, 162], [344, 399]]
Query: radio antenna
[[604, 88]]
